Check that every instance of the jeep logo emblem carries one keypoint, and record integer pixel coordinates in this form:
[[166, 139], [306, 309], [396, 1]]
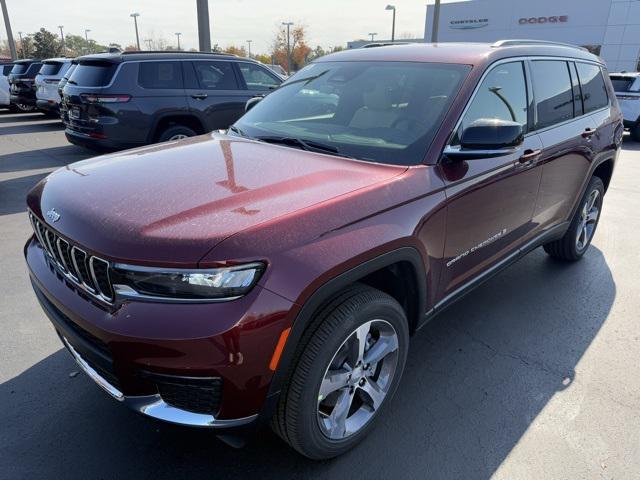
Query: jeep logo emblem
[[53, 215]]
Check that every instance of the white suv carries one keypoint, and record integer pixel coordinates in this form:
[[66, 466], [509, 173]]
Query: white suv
[[627, 88], [52, 71], [4, 84]]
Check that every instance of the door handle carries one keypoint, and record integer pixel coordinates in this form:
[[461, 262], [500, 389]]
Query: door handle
[[588, 132], [199, 96], [529, 156]]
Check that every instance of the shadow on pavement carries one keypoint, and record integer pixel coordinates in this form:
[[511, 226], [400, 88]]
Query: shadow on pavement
[[49, 125], [477, 376]]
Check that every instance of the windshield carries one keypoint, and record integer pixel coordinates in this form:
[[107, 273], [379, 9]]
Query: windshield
[[386, 112]]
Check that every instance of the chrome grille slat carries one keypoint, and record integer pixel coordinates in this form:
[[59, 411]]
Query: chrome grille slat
[[74, 263]]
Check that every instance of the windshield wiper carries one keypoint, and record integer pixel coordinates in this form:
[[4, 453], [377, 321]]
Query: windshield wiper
[[236, 130], [309, 145]]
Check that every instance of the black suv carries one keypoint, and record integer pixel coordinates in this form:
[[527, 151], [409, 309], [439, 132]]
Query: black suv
[[22, 87], [122, 100]]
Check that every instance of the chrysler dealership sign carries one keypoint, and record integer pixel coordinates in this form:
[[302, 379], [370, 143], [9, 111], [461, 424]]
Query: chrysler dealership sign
[[469, 23]]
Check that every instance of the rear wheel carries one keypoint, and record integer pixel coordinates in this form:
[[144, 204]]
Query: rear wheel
[[578, 237], [348, 367], [176, 132]]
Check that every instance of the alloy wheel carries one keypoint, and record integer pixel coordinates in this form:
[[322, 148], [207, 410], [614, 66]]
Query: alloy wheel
[[357, 380], [588, 218], [179, 136]]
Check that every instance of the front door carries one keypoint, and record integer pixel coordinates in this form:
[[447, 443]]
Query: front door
[[490, 200]]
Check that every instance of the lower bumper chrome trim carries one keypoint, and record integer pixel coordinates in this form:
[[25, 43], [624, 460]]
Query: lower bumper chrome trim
[[153, 405]]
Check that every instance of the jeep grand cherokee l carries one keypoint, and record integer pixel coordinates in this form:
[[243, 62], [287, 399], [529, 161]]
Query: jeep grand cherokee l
[[22, 87], [120, 100], [46, 82], [278, 271]]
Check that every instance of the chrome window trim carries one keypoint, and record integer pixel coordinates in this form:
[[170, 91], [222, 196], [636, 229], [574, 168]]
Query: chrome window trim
[[525, 59]]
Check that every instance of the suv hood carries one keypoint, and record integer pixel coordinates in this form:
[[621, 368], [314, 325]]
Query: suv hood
[[170, 204]]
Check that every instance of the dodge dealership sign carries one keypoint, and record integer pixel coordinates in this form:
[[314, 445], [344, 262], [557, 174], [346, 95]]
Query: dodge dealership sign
[[541, 20]]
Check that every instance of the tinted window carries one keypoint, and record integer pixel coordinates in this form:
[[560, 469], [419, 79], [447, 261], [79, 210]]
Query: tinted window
[[257, 78], [594, 91], [160, 75], [19, 68], [50, 68], [6, 69], [502, 95], [384, 112], [93, 74], [70, 71], [621, 83], [216, 75], [33, 69], [554, 97]]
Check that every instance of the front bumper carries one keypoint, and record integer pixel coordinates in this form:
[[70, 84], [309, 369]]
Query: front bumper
[[135, 349], [86, 140]]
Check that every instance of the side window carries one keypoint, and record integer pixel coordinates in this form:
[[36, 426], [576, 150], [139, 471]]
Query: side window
[[554, 95], [160, 75], [257, 78], [502, 95], [215, 75], [594, 91]]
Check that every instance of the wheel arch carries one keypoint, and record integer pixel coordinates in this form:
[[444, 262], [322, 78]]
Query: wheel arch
[[405, 264], [176, 118]]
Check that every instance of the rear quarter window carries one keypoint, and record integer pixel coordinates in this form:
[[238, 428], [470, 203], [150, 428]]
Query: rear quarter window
[[594, 91], [93, 74], [6, 70], [160, 75]]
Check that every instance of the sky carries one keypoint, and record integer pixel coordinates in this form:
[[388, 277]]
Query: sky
[[233, 22]]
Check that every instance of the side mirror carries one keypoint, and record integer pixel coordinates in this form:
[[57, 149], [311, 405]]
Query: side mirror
[[252, 102], [491, 134], [487, 137]]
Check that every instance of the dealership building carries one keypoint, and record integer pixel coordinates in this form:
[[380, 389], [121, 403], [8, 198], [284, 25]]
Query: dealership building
[[610, 28]]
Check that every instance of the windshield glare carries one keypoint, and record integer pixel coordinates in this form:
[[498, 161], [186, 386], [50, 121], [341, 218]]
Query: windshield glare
[[385, 112]]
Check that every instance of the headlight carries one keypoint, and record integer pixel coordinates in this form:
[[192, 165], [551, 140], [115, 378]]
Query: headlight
[[178, 284]]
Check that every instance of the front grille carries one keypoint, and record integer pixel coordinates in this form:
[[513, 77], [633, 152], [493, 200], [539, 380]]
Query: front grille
[[89, 272], [193, 395]]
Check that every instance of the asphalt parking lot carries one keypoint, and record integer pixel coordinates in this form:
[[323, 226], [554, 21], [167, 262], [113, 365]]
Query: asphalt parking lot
[[533, 375]]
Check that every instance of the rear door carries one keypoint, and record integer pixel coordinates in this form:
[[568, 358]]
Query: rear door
[[566, 134], [214, 92], [490, 198]]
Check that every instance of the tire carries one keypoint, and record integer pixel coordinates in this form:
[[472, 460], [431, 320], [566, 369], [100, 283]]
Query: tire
[[635, 132], [303, 417], [176, 132], [572, 247]]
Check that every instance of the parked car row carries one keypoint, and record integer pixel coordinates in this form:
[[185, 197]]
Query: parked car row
[[128, 99]]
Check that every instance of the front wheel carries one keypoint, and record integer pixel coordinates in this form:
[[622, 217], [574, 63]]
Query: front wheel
[[346, 372], [575, 242]]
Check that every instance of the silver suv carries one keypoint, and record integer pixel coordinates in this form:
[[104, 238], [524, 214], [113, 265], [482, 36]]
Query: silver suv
[[627, 88]]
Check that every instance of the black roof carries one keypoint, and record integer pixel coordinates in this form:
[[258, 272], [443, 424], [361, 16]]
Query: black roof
[[27, 61], [119, 57]]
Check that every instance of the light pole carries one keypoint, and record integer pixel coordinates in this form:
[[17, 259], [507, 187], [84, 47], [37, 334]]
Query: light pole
[[204, 30], [372, 35], [393, 22], [288, 25], [12, 44], [21, 45], [62, 38], [135, 16], [86, 37], [249, 45], [436, 22], [178, 35]]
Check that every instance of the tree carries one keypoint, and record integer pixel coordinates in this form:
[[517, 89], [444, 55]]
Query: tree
[[46, 44], [263, 58], [76, 45], [317, 53], [299, 48], [26, 48], [239, 51]]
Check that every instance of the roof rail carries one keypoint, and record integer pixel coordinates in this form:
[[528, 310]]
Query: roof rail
[[384, 44], [512, 42], [133, 52]]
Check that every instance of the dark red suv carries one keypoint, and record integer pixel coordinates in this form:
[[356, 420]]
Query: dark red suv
[[278, 271]]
